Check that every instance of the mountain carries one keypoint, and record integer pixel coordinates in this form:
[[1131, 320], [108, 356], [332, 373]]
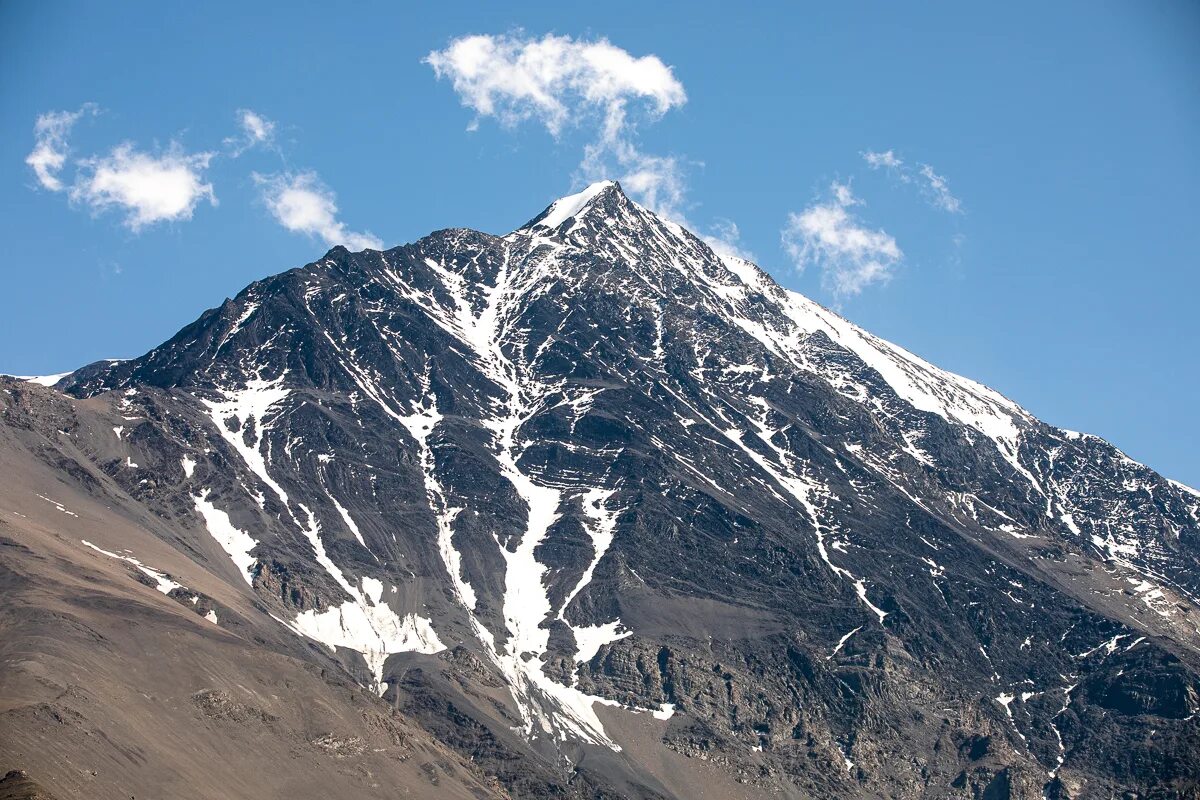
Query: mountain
[[586, 510]]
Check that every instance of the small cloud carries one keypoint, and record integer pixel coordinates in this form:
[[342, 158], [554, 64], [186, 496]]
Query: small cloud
[[256, 130], [50, 148], [302, 203], [934, 186], [150, 188], [851, 257]]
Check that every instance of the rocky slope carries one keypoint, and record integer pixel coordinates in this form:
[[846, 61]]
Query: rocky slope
[[584, 510]]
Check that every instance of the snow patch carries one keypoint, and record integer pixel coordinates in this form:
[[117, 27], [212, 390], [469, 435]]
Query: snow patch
[[348, 520], [363, 623], [250, 407], [162, 582], [600, 524], [59, 506], [843, 641], [571, 206], [373, 630], [43, 380], [665, 711], [236, 543], [590, 638]]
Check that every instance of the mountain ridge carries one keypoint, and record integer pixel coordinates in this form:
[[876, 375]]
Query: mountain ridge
[[601, 476]]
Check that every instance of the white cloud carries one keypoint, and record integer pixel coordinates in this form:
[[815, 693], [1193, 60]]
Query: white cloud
[[149, 188], [256, 130], [555, 80], [934, 186], [50, 149], [851, 257], [303, 204]]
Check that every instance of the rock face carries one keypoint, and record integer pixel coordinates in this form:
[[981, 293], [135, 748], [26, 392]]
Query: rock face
[[599, 513]]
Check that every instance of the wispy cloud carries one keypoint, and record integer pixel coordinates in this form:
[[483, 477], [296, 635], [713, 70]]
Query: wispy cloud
[[256, 130], [830, 236], [150, 188], [301, 203], [887, 159], [939, 191], [50, 147], [934, 186]]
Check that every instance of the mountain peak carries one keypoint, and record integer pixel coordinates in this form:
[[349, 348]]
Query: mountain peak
[[584, 460], [573, 206]]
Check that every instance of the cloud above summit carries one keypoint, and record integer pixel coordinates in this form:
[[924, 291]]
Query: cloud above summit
[[556, 80], [559, 83], [562, 83], [303, 204]]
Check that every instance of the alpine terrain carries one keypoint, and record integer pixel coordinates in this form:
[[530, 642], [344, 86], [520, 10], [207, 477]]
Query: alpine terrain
[[588, 511]]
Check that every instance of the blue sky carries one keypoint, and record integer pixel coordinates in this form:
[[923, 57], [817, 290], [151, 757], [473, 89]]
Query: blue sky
[[1056, 261]]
